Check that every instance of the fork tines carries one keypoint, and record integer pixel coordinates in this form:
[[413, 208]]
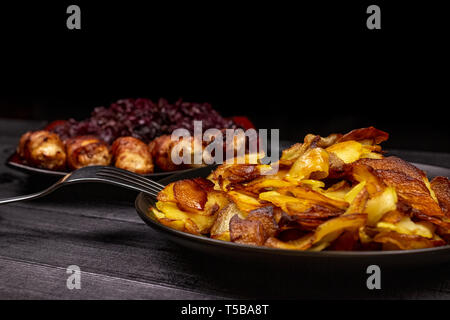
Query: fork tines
[[133, 179]]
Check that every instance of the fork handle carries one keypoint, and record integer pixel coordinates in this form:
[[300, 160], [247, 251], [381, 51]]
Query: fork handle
[[30, 196]]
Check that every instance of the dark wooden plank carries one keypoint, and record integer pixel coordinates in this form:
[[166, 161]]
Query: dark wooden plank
[[24, 280], [129, 250]]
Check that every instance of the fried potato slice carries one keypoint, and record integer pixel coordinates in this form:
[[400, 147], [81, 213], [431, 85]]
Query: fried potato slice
[[266, 183], [393, 216], [336, 166], [322, 142], [174, 224], [411, 183], [302, 243], [406, 226], [189, 194], [167, 194], [407, 242], [351, 195], [334, 227], [441, 187], [237, 172], [191, 227], [310, 210], [368, 135], [266, 216], [382, 203], [400, 165], [247, 231], [347, 151], [245, 202], [289, 155], [394, 164], [313, 164], [338, 190], [304, 192], [442, 222], [358, 204], [313, 184], [205, 184], [411, 191], [172, 212], [221, 227], [215, 199], [363, 173], [306, 224], [372, 155], [227, 175], [281, 200]]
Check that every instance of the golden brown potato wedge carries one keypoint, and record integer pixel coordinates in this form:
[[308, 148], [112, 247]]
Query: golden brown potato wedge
[[171, 211], [441, 187], [174, 224], [245, 202], [281, 200], [266, 216], [363, 173], [358, 204], [411, 191], [313, 164], [222, 224], [167, 194], [407, 242], [331, 229], [189, 194], [266, 183], [302, 191], [302, 243], [347, 151], [369, 134], [247, 231], [407, 226]]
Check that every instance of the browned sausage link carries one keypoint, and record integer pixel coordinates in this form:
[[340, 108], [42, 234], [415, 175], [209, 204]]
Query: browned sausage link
[[160, 149], [42, 149], [163, 146], [132, 154], [87, 151]]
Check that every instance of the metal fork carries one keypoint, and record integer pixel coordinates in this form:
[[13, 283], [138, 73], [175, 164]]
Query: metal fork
[[110, 175]]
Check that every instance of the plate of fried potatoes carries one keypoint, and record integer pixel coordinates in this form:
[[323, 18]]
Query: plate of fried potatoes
[[336, 197]]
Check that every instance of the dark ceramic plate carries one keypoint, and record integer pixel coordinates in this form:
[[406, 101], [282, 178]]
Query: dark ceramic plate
[[333, 259], [15, 163]]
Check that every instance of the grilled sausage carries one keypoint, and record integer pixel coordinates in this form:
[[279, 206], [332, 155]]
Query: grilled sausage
[[132, 154], [87, 151], [42, 149]]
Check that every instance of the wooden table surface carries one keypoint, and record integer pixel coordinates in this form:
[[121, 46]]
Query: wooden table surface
[[96, 228]]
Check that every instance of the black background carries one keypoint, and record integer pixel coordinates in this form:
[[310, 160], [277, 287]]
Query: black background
[[301, 67]]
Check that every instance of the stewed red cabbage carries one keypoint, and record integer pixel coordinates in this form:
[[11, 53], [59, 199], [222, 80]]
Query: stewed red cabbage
[[143, 119]]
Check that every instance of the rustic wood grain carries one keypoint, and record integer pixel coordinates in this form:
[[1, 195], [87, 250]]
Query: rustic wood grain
[[96, 228], [28, 280]]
